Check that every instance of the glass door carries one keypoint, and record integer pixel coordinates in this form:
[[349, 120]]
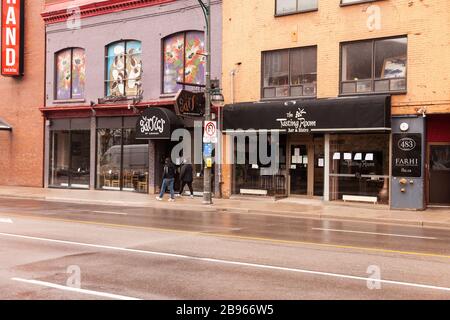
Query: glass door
[[79, 159], [298, 169], [439, 174], [60, 159]]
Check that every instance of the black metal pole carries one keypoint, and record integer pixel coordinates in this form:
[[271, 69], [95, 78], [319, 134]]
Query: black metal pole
[[207, 194]]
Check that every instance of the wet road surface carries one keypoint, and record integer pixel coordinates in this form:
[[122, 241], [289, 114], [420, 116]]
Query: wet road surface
[[171, 254]]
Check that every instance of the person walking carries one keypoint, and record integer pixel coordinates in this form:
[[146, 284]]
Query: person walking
[[168, 180], [187, 177]]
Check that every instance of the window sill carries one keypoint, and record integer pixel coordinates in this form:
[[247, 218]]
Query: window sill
[[372, 93], [167, 95], [295, 12], [356, 3], [289, 98], [69, 101]]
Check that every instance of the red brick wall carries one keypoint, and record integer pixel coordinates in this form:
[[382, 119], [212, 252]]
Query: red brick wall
[[21, 151]]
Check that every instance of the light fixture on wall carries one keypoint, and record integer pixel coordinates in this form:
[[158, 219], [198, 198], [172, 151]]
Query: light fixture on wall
[[422, 111]]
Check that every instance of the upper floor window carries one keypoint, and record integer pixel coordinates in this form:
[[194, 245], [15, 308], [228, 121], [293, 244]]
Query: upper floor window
[[292, 6], [70, 74], [290, 73], [374, 66], [123, 68], [184, 61]]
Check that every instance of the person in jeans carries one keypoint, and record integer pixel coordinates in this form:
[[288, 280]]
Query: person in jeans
[[168, 180], [186, 177]]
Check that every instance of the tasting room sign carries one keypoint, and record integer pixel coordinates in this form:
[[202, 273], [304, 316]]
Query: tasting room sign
[[407, 155], [12, 37]]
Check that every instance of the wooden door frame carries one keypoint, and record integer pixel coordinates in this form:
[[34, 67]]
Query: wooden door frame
[[427, 168]]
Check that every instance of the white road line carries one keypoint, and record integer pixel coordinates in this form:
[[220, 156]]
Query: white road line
[[375, 233], [220, 261], [111, 212], [5, 220], [84, 291]]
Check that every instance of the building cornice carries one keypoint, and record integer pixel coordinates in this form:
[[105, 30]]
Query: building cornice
[[56, 15]]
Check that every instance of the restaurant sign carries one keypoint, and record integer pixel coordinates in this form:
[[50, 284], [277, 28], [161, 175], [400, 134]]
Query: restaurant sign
[[190, 103], [156, 123], [407, 155], [12, 37]]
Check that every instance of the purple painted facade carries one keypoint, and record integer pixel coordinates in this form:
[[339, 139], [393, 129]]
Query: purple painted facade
[[150, 25]]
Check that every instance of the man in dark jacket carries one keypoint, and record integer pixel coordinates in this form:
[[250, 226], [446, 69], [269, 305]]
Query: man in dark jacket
[[168, 180], [186, 177]]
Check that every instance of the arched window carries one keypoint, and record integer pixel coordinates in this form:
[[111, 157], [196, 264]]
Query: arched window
[[123, 68], [70, 74], [184, 62]]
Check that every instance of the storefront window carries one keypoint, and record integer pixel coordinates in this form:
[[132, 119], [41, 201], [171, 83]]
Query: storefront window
[[69, 159], [123, 68], [70, 74], [253, 177], [290, 72], [122, 161], [374, 66], [359, 167], [184, 61]]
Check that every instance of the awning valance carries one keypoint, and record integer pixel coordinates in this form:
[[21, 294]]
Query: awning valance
[[157, 123], [4, 125], [368, 113]]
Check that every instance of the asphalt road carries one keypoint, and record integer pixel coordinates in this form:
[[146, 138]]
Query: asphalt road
[[51, 250]]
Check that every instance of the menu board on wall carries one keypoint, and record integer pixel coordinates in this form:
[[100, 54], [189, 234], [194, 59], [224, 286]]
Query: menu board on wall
[[407, 155]]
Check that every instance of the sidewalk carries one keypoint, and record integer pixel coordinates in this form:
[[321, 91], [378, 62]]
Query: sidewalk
[[301, 208]]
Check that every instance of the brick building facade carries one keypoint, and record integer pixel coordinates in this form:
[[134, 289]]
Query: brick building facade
[[21, 149], [331, 27]]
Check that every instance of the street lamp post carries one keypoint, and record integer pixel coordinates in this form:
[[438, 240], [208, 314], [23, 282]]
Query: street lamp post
[[206, 7]]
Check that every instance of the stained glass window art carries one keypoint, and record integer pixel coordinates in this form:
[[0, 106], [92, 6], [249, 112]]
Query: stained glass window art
[[124, 68], [184, 60], [70, 74]]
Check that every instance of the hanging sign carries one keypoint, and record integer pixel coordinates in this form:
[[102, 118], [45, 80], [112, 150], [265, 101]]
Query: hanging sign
[[190, 103], [12, 37]]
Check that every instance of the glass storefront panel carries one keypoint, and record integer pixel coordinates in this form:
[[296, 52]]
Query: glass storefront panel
[[109, 158], [254, 177], [359, 166], [122, 161], [69, 159], [135, 162]]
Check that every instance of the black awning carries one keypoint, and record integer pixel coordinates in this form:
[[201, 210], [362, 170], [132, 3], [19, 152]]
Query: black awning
[[368, 113], [4, 125], [157, 123]]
